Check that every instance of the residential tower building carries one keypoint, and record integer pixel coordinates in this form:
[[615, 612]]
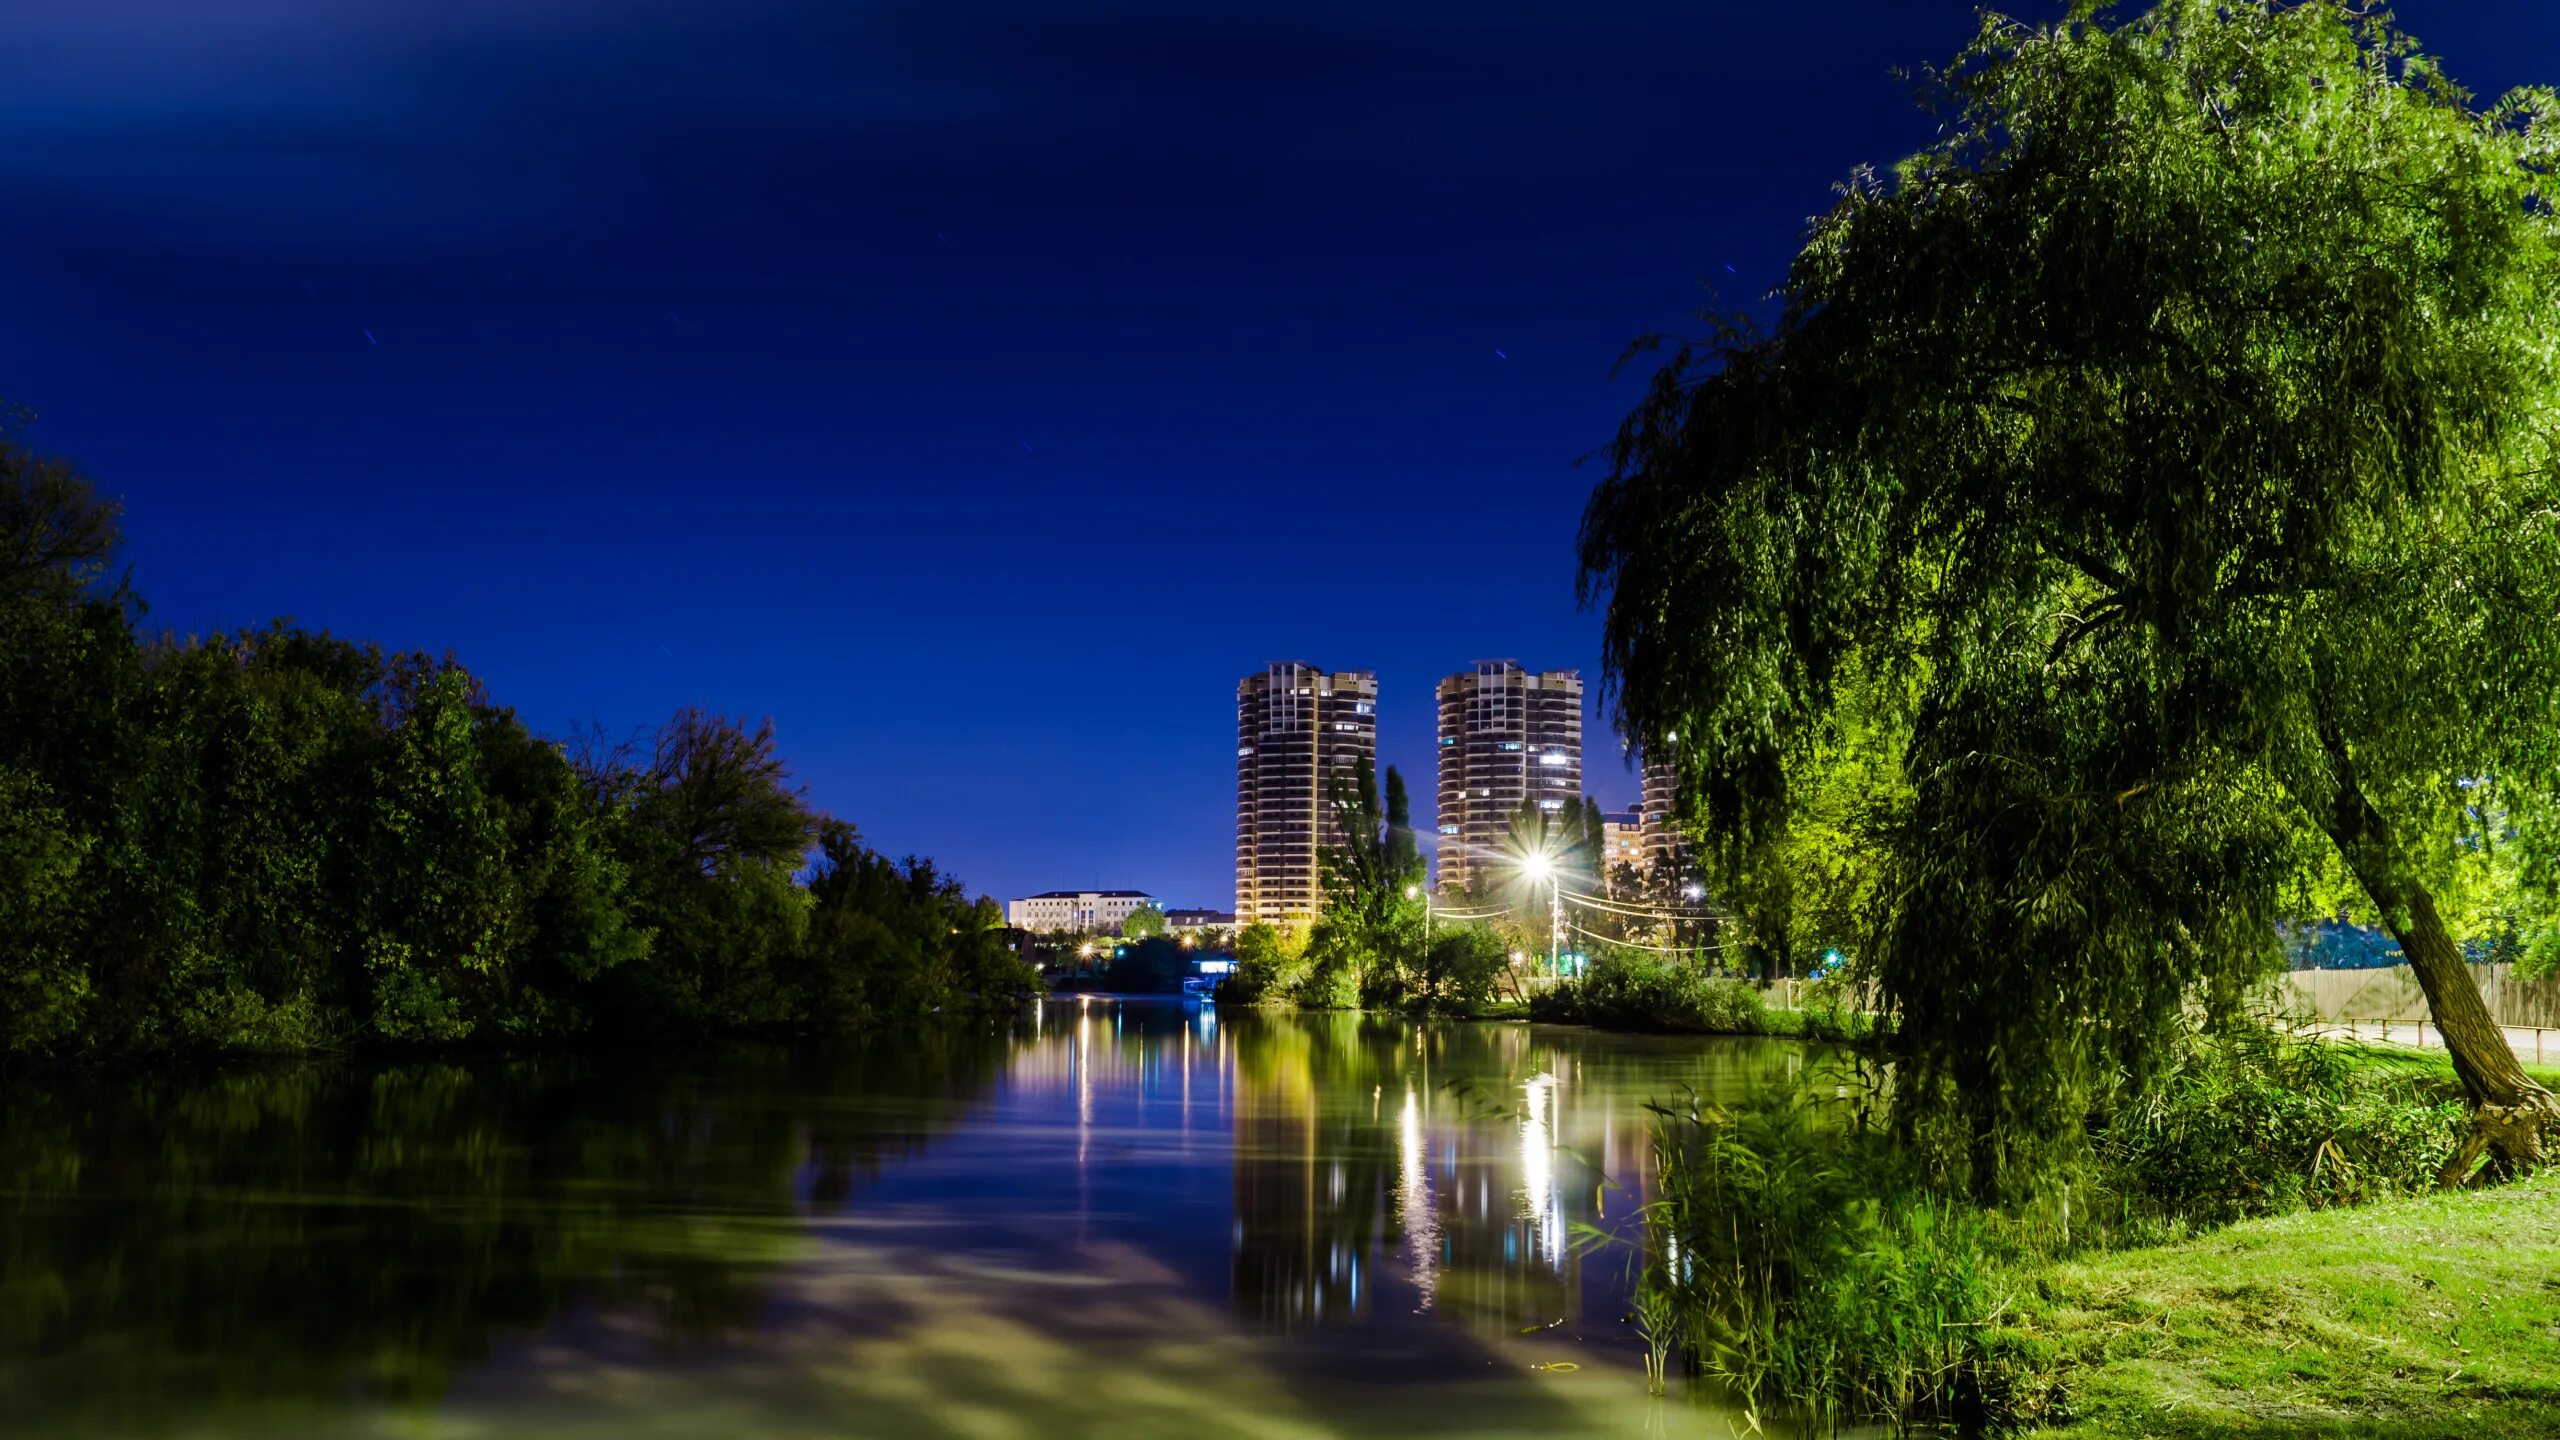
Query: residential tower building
[[1508, 736], [1300, 731]]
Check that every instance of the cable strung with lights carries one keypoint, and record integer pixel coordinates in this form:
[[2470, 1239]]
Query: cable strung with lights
[[1633, 945]]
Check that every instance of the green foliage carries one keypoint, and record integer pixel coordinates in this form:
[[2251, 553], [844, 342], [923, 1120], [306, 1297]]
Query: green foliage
[[1143, 922], [43, 986], [1155, 965], [2155, 477], [1460, 968], [2254, 1123], [1802, 1253], [278, 840], [1631, 990], [1787, 1263], [889, 938], [1343, 968], [1362, 949], [1270, 962]]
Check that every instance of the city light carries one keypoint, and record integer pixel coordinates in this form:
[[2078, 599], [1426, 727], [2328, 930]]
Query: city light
[[1536, 867]]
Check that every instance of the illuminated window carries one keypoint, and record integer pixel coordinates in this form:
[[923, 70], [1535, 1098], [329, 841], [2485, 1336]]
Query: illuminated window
[[1510, 745], [1550, 804], [1448, 829], [1555, 757]]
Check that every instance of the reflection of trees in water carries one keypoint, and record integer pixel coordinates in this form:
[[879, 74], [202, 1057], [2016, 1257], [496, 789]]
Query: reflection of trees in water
[[323, 1231], [1310, 1177]]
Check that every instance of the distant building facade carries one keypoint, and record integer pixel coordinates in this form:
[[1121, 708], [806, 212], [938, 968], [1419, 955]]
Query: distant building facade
[[1297, 729], [1076, 912], [1621, 843], [1194, 922], [1658, 812], [1507, 735]]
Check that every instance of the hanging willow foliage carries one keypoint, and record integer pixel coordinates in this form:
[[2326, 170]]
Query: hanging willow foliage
[[2175, 435]]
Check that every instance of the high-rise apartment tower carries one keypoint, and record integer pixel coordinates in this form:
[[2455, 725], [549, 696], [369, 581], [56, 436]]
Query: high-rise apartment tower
[[1506, 736], [1297, 729], [1658, 813]]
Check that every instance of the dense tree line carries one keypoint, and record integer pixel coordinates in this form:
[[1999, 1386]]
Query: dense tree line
[[284, 840], [2138, 525]]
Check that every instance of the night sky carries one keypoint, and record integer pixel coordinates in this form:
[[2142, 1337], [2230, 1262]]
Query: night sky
[[976, 389]]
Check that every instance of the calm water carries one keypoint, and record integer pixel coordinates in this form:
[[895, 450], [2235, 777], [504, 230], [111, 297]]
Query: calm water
[[1128, 1218]]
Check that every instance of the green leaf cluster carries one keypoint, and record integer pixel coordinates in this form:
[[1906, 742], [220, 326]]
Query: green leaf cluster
[[280, 840], [2145, 506]]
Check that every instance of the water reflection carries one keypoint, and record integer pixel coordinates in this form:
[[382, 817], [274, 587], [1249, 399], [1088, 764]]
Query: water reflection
[[1105, 1216]]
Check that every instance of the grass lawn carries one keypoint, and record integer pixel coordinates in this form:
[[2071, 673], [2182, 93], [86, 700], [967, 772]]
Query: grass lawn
[[2434, 1066], [2438, 1316]]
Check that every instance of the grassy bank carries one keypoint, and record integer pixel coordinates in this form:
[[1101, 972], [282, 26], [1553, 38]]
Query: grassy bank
[[2432, 1316]]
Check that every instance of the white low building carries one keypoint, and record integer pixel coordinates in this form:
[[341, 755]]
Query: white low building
[[1076, 912]]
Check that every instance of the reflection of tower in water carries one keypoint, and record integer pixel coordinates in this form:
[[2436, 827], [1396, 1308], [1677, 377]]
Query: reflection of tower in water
[[1503, 1260], [1459, 1161], [1307, 1199]]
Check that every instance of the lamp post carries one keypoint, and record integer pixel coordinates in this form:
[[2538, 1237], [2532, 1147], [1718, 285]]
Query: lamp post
[[1416, 892], [1538, 867]]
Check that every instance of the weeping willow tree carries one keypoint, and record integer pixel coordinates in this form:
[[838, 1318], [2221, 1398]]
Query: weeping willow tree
[[2176, 431]]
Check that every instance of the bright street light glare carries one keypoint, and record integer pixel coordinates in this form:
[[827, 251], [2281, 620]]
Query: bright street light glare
[[1413, 892], [1535, 867]]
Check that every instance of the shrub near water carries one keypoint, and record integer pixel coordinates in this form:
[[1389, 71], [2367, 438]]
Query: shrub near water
[[1789, 1265], [1628, 991], [1813, 1265]]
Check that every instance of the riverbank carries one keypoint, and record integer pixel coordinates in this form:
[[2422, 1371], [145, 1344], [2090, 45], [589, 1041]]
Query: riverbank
[[2432, 1316]]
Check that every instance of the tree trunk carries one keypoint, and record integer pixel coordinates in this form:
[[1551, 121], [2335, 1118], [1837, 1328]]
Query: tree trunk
[[2509, 1111]]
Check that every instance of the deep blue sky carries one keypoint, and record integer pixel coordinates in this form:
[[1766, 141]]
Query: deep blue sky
[[978, 389]]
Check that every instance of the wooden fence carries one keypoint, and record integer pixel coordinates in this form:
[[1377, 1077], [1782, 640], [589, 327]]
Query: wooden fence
[[2376, 996]]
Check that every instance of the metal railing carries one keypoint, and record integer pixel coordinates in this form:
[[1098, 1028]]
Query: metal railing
[[2530, 1042]]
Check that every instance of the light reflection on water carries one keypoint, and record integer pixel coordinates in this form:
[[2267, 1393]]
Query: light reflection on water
[[1109, 1218]]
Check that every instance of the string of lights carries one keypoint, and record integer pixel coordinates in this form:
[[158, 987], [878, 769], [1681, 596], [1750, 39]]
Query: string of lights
[[1642, 912], [1632, 945]]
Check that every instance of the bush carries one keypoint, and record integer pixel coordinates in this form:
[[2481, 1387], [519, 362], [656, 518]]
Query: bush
[[1459, 969], [1269, 961], [1628, 990], [1154, 965], [2256, 1122]]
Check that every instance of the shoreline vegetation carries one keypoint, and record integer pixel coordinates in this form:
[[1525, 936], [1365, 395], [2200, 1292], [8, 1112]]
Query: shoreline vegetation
[[2125, 533], [278, 841]]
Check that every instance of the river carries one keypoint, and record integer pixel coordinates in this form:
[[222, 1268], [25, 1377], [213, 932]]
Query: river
[[1110, 1217]]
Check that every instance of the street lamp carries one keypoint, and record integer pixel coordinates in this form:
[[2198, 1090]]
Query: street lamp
[[1416, 892], [1537, 867]]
